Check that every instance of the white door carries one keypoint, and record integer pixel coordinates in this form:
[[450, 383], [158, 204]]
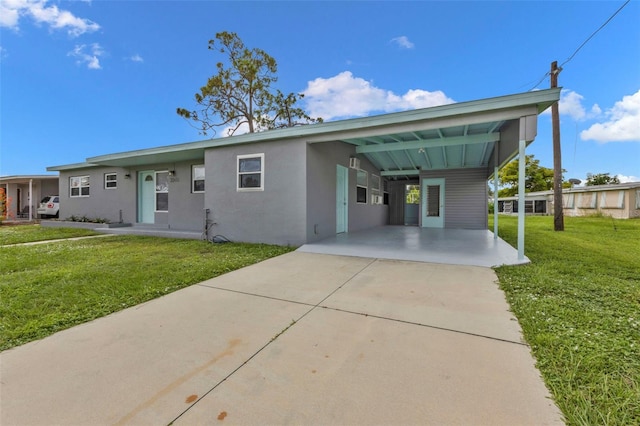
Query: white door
[[146, 196], [342, 199], [432, 203]]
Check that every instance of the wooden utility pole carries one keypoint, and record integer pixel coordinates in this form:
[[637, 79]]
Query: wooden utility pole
[[558, 215]]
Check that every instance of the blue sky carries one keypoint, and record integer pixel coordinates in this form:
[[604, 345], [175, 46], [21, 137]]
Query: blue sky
[[86, 78]]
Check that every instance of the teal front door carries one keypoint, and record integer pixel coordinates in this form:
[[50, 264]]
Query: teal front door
[[342, 199], [146, 196], [432, 203]]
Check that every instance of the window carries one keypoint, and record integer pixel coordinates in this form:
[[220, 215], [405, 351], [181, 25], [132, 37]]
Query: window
[[251, 172], [376, 198], [569, 201], [162, 191], [79, 186], [412, 194], [587, 200], [197, 178], [110, 181], [612, 201], [362, 183], [637, 198], [385, 188]]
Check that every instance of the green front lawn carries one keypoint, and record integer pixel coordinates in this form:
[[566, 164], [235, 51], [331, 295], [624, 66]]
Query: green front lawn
[[17, 234], [48, 287], [578, 303]]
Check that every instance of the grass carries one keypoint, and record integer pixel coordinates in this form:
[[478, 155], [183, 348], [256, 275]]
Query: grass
[[49, 287], [578, 303], [17, 234]]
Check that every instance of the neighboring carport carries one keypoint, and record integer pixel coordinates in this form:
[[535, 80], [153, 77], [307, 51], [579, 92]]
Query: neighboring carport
[[482, 135], [23, 192]]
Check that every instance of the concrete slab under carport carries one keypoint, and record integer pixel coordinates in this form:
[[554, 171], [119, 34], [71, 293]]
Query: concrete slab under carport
[[286, 341], [476, 247]]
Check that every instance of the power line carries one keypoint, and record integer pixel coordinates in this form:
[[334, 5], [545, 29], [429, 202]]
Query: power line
[[595, 32], [583, 43]]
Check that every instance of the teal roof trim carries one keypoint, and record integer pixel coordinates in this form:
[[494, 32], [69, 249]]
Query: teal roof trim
[[351, 130], [74, 166]]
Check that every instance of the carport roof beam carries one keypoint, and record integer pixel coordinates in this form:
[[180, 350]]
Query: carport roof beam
[[429, 143]]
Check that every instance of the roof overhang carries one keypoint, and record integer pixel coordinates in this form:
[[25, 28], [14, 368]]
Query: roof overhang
[[459, 135], [26, 178]]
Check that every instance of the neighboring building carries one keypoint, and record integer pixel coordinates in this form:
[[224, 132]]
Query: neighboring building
[[303, 184], [23, 194], [620, 201]]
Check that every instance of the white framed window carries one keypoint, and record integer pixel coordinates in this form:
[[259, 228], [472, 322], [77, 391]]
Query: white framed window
[[79, 186], [251, 172], [110, 181], [162, 191], [197, 178], [637, 198], [362, 185]]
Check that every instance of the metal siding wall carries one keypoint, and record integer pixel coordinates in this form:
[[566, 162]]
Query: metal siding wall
[[465, 197]]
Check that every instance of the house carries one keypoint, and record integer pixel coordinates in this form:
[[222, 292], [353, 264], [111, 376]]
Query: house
[[23, 193], [620, 201], [302, 184]]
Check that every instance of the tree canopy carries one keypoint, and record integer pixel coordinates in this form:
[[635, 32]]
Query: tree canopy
[[240, 93], [600, 179], [537, 177]]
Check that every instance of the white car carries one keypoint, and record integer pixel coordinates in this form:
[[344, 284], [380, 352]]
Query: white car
[[49, 206]]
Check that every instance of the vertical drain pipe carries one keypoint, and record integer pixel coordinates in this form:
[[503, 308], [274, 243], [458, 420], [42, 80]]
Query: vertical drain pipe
[[206, 224]]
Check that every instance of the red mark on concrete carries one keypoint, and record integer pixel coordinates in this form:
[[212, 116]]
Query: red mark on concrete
[[222, 415], [191, 398]]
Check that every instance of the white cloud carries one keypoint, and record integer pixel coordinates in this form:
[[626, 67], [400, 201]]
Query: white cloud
[[42, 13], [88, 55], [403, 42], [570, 104], [136, 58], [9, 13], [622, 122], [347, 96], [625, 179]]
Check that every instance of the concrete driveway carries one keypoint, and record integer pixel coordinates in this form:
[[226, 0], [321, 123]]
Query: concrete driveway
[[299, 339]]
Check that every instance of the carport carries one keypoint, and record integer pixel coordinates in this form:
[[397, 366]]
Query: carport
[[449, 152], [474, 247]]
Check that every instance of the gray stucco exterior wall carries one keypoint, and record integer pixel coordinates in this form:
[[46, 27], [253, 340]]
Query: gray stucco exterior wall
[[322, 159], [185, 208], [274, 215], [101, 203], [465, 197]]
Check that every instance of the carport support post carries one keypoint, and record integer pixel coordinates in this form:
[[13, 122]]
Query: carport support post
[[521, 167], [495, 203], [528, 131]]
